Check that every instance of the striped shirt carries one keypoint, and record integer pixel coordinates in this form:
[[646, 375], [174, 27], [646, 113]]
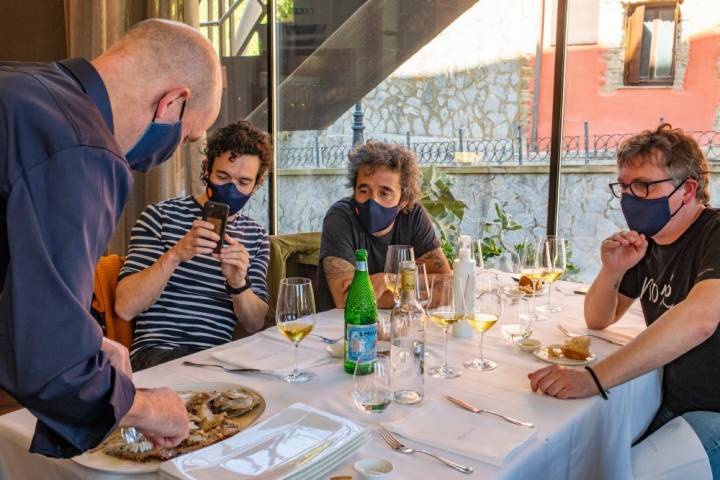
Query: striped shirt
[[194, 309]]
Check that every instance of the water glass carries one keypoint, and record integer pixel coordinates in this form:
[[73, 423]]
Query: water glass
[[372, 392], [518, 315]]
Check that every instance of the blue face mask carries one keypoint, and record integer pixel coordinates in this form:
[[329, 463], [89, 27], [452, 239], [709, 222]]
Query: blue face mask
[[157, 143], [228, 194], [374, 217], [648, 215]]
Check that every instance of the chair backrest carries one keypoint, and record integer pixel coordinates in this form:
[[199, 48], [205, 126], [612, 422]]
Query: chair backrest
[[106, 279], [295, 255]]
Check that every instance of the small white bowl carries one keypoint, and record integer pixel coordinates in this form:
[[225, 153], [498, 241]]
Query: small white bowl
[[374, 468], [336, 350], [528, 344]]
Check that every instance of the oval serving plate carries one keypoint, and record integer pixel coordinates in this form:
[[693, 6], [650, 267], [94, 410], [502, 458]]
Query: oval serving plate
[[98, 460]]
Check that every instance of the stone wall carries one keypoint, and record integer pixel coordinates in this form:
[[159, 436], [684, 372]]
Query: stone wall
[[588, 212]]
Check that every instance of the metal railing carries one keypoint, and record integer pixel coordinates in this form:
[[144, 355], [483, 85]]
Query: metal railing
[[576, 150]]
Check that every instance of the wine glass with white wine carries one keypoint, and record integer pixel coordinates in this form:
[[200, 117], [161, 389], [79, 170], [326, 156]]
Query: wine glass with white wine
[[396, 254], [552, 259], [488, 307], [295, 318], [441, 311]]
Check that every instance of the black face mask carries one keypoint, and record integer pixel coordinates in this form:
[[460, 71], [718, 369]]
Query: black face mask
[[156, 144], [374, 217], [648, 215]]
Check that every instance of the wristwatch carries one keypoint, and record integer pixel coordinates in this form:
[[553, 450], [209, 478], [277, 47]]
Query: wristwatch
[[237, 291]]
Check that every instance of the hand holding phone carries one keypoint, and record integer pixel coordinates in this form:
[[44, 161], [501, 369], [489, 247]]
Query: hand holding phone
[[216, 213]]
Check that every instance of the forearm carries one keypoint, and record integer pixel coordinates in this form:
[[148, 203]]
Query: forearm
[[383, 296], [250, 311], [137, 292], [602, 300], [675, 333]]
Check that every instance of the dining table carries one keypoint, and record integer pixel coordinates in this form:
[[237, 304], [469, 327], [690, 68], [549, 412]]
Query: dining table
[[578, 438]]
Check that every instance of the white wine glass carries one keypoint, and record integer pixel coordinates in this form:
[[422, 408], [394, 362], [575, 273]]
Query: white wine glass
[[552, 259], [487, 311], [423, 286], [396, 254], [372, 392], [441, 311], [295, 318]]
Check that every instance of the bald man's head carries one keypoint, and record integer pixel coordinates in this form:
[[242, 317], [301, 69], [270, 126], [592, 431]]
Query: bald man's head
[[153, 70], [173, 54]]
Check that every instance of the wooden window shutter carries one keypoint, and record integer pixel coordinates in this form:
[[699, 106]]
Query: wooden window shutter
[[634, 45]]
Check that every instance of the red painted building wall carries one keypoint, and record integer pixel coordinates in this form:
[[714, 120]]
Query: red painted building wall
[[631, 109]]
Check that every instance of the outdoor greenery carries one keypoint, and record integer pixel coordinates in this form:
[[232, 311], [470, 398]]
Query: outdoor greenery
[[446, 211]]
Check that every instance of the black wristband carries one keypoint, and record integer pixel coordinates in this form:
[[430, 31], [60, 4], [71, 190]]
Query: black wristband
[[597, 382], [237, 291]]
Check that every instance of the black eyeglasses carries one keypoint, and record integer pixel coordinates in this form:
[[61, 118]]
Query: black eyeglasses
[[637, 189]]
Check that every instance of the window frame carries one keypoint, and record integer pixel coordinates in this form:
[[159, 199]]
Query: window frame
[[634, 29]]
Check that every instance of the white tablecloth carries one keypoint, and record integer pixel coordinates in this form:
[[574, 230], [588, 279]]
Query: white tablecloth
[[587, 438]]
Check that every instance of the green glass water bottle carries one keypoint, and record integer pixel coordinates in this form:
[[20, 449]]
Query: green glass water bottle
[[360, 316]]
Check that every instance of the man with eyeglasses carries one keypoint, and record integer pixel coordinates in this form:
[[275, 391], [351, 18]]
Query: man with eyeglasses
[[670, 259]]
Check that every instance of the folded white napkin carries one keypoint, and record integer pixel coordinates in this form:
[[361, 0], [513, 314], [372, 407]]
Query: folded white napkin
[[616, 333], [270, 354], [450, 428]]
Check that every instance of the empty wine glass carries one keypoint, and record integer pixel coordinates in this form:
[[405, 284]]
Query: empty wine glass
[[396, 254], [552, 259], [295, 317], [487, 311], [372, 392], [423, 287]]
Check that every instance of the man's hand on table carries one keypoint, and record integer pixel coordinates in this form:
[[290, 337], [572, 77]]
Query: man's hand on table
[[160, 415], [118, 356], [563, 382]]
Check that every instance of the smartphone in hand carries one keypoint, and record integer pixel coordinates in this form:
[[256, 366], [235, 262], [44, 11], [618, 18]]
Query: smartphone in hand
[[216, 213]]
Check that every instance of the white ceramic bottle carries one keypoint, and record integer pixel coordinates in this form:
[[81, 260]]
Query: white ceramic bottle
[[464, 284]]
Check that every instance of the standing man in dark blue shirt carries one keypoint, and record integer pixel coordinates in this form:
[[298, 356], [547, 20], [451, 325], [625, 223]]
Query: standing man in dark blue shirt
[[70, 133]]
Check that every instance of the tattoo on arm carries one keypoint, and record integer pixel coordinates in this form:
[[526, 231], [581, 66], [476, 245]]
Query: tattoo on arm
[[436, 261], [336, 268]]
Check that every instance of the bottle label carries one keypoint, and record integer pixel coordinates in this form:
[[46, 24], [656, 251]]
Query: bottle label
[[361, 266], [362, 342]]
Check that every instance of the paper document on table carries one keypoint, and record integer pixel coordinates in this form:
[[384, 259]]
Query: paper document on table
[[272, 355], [672, 452], [476, 436]]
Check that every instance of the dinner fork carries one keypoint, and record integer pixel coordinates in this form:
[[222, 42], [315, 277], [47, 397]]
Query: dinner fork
[[572, 335], [233, 370], [329, 341], [395, 444]]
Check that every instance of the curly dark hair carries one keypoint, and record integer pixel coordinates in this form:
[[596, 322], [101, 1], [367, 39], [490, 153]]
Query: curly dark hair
[[679, 153], [239, 138], [397, 158]]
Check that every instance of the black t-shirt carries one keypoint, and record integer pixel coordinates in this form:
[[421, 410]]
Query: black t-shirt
[[342, 234], [663, 278]]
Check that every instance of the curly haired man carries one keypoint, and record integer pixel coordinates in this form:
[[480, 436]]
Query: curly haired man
[[184, 297]]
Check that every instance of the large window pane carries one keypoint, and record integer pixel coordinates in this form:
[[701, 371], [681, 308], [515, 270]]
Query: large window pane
[[455, 81], [601, 112]]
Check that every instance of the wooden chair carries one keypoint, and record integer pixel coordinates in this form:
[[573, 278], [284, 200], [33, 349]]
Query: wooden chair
[[106, 279]]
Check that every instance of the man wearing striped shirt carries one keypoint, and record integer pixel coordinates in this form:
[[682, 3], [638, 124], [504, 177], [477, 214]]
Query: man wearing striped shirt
[[184, 297]]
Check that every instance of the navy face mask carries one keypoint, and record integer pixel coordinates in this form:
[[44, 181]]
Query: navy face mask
[[374, 217], [157, 143], [648, 215], [228, 194]]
